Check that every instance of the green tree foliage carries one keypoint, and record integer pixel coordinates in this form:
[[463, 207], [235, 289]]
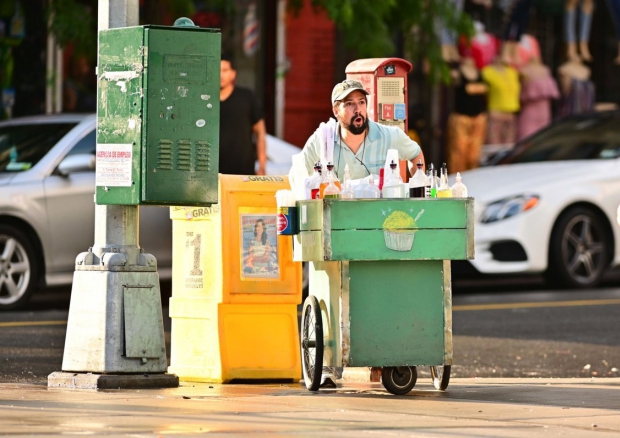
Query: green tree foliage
[[373, 26], [74, 22]]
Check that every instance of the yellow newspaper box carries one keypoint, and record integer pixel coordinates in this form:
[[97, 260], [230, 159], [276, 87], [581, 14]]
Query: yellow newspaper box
[[235, 287]]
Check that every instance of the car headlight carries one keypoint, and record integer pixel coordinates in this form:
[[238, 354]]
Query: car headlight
[[509, 207]]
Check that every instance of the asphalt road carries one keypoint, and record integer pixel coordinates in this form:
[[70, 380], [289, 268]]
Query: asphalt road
[[500, 330]]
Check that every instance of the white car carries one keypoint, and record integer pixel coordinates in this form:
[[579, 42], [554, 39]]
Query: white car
[[279, 155], [47, 213], [550, 205]]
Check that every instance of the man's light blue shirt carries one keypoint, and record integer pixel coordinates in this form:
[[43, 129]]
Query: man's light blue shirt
[[371, 155]]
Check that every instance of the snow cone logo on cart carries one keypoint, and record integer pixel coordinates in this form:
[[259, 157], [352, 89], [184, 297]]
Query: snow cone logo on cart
[[399, 230]]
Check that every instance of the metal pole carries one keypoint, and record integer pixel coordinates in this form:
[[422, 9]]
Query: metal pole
[[58, 79], [281, 66], [116, 225], [49, 73], [115, 334]]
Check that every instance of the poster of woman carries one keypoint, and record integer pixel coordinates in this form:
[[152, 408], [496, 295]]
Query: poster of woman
[[259, 246]]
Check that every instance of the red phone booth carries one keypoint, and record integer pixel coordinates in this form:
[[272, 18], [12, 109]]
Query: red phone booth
[[386, 81]]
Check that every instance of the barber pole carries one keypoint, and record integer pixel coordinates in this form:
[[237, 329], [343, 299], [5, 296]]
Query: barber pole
[[250, 31]]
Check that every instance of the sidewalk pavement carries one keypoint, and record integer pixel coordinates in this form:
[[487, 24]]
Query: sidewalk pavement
[[469, 408]]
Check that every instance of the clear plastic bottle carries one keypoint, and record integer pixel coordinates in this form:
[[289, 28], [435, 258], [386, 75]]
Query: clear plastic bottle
[[419, 184], [371, 190], [333, 187], [459, 190], [327, 178], [347, 191], [393, 184], [358, 190], [311, 180], [315, 184], [433, 190], [429, 171], [444, 190], [429, 175]]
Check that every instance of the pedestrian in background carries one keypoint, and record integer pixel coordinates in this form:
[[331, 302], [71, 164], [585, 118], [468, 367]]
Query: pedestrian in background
[[242, 127]]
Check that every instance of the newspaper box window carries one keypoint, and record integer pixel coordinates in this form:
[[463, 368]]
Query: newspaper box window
[[259, 246]]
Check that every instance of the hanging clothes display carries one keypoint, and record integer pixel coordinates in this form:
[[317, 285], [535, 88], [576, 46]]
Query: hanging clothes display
[[586, 8], [482, 47], [578, 91], [468, 123], [614, 9], [503, 101], [538, 88]]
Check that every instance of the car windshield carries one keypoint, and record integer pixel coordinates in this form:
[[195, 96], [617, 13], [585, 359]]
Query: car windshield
[[22, 146], [586, 138]]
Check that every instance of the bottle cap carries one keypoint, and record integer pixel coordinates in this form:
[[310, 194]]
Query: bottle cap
[[392, 165]]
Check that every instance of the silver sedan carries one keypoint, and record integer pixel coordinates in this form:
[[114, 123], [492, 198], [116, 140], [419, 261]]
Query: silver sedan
[[47, 210]]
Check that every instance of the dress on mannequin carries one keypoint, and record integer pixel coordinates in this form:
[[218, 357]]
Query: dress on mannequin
[[467, 124], [537, 89], [577, 88], [503, 103]]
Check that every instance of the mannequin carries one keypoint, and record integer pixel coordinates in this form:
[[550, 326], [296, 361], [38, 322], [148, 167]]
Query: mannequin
[[577, 89], [504, 90], [467, 124], [614, 9], [449, 52], [537, 89], [527, 49], [516, 16], [585, 22], [482, 47]]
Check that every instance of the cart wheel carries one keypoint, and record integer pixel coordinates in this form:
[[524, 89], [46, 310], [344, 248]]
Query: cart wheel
[[441, 376], [399, 380], [312, 343]]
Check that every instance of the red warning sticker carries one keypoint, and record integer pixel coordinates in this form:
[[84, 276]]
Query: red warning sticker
[[282, 222]]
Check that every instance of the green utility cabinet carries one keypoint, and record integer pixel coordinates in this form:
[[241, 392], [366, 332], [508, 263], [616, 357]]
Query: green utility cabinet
[[380, 279], [158, 116]]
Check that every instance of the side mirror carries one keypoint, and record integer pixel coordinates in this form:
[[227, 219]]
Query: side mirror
[[77, 163]]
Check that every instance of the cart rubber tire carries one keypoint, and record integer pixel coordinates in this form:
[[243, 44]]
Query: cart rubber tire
[[312, 343], [399, 380], [441, 376]]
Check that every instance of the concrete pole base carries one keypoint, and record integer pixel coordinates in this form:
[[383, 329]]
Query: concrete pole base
[[60, 379]]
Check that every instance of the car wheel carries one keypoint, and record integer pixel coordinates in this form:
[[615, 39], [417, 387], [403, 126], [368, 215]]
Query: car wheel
[[18, 268], [578, 251]]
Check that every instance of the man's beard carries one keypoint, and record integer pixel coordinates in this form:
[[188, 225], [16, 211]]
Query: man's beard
[[356, 130]]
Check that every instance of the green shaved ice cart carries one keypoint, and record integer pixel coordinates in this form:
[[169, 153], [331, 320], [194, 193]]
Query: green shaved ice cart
[[380, 285]]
